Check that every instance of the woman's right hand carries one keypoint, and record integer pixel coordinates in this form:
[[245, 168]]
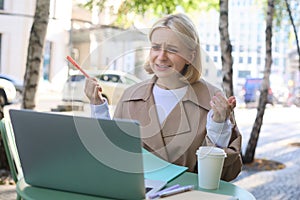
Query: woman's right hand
[[93, 90]]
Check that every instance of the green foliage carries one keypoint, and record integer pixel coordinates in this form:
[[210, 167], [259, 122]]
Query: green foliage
[[91, 3], [152, 8]]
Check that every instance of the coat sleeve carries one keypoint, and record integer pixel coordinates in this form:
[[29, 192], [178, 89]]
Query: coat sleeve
[[233, 162], [118, 110]]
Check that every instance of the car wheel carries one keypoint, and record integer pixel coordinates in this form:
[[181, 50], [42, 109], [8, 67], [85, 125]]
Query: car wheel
[[3, 99]]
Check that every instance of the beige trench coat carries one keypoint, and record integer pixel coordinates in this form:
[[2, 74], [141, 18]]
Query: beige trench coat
[[184, 130]]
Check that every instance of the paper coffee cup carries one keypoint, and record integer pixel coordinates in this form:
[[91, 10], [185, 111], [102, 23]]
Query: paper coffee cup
[[210, 165]]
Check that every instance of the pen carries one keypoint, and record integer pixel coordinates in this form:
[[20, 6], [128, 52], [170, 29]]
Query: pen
[[177, 190], [157, 194], [70, 59]]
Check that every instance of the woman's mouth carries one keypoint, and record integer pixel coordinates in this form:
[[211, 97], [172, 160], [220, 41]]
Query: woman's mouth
[[162, 67]]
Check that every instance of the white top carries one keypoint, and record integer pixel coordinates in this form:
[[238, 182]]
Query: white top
[[165, 101]]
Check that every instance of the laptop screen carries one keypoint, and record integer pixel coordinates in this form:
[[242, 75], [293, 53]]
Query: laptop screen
[[80, 154]]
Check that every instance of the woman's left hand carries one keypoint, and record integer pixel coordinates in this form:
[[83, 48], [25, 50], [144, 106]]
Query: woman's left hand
[[222, 107]]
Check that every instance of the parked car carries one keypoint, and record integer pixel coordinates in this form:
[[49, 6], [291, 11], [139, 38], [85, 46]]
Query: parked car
[[113, 84], [8, 92], [251, 91], [281, 95], [18, 85]]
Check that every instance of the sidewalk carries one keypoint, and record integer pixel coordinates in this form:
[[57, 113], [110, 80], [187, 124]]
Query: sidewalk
[[281, 127]]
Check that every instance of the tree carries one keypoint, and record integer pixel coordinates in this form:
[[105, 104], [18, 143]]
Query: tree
[[35, 53], [250, 150], [294, 29], [34, 60], [226, 49]]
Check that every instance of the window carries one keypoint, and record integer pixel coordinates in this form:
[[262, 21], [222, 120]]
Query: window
[[47, 59], [207, 47], [244, 73], [240, 59], [215, 59], [241, 48], [219, 73], [258, 61], [206, 72], [76, 78], [216, 48], [276, 61], [233, 48], [249, 60], [207, 59], [1, 4], [258, 50]]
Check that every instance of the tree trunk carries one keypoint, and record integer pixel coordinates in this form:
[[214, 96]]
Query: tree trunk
[[250, 150], [294, 28], [226, 49], [35, 53]]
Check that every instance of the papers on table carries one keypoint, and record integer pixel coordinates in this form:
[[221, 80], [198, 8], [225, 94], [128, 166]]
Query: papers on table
[[157, 169], [200, 195]]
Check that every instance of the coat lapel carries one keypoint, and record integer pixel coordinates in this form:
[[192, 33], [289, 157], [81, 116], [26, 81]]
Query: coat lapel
[[177, 122], [144, 110], [151, 130]]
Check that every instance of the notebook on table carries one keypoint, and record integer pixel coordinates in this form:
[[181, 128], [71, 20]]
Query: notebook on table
[[84, 155]]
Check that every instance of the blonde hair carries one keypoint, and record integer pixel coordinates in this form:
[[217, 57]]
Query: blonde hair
[[185, 29]]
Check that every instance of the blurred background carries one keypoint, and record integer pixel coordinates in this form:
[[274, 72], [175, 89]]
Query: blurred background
[[94, 39], [108, 38]]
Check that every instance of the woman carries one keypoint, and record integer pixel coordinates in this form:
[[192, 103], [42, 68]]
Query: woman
[[177, 111]]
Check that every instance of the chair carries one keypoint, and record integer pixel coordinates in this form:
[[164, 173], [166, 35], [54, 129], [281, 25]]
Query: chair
[[11, 153]]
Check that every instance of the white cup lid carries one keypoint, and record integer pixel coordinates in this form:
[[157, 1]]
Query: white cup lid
[[210, 150]]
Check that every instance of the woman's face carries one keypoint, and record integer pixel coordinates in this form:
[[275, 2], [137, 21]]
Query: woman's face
[[168, 54]]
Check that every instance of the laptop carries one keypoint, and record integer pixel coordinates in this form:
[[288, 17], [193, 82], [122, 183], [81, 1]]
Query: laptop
[[97, 157]]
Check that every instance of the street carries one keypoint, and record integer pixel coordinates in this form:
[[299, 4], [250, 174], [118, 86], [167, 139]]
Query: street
[[281, 129]]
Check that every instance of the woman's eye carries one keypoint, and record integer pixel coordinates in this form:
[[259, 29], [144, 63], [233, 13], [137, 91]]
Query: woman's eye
[[170, 50], [155, 47]]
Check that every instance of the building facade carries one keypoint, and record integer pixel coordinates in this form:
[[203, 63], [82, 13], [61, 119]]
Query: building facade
[[16, 18], [87, 36], [247, 35]]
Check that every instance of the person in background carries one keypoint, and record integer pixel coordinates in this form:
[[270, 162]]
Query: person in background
[[177, 110]]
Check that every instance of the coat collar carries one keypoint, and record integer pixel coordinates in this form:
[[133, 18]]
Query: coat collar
[[196, 93]]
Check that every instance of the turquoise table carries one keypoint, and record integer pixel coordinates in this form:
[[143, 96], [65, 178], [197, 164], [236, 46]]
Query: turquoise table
[[29, 192], [224, 188]]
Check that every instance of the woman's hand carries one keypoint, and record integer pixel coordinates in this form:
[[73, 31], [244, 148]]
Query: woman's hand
[[93, 90], [222, 107]]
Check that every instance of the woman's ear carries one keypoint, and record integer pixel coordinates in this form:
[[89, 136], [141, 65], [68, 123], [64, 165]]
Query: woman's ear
[[191, 57]]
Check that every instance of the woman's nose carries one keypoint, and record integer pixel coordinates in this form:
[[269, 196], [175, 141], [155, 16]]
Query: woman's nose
[[162, 54]]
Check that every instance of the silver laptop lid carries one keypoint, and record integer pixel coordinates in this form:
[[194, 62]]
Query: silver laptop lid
[[80, 154]]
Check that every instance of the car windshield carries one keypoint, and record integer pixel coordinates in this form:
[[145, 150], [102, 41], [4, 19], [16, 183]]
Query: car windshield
[[76, 78]]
